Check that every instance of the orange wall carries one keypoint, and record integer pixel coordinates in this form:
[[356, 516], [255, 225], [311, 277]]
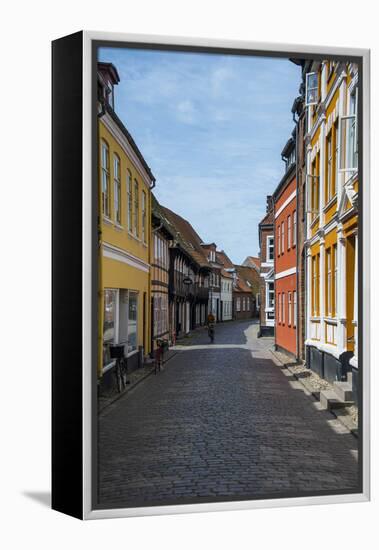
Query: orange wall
[[285, 334], [287, 259]]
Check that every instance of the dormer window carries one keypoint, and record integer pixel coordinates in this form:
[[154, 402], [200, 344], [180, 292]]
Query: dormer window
[[110, 95], [290, 159], [311, 89]]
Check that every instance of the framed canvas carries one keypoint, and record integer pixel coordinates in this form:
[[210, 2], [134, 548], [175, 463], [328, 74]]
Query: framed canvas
[[210, 275]]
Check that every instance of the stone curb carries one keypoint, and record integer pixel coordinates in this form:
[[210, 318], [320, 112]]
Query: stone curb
[[337, 413], [131, 386]]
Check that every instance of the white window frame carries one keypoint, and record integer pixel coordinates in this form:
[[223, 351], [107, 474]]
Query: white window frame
[[279, 239], [329, 164], [328, 259], [136, 208], [144, 216], [117, 188], [117, 322], [269, 246], [308, 89], [129, 206], [283, 236], [268, 292], [294, 228], [289, 308], [294, 308], [343, 151], [289, 235], [284, 308], [105, 175]]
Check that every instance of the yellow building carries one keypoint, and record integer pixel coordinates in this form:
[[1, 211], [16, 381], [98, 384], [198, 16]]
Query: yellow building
[[125, 183], [332, 219]]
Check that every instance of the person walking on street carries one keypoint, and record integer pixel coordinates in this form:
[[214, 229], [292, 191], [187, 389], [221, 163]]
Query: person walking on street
[[211, 326]]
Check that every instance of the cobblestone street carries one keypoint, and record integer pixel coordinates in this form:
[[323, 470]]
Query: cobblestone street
[[221, 421]]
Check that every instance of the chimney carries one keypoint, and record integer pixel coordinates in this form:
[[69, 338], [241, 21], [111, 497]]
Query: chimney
[[269, 204]]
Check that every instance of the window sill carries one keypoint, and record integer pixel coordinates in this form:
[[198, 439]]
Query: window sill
[[134, 236], [119, 227], [330, 203], [107, 220], [314, 222]]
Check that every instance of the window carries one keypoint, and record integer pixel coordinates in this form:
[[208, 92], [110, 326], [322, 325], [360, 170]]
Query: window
[[270, 295], [294, 229], [117, 188], [315, 179], [335, 279], [130, 198], [132, 321], [278, 240], [311, 89], [270, 249], [238, 304], [243, 304], [136, 208], [247, 304], [289, 233], [144, 218], [279, 308], [335, 158], [331, 281], [294, 308], [348, 137], [283, 308], [282, 245], [109, 323], [315, 284], [160, 305], [105, 191], [329, 168], [289, 308], [328, 261]]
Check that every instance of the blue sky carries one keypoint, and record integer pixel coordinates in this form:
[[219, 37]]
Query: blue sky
[[211, 127]]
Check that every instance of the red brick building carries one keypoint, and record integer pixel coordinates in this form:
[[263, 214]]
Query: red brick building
[[245, 289], [285, 257]]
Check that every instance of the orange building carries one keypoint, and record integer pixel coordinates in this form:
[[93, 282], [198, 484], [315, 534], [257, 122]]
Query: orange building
[[285, 228]]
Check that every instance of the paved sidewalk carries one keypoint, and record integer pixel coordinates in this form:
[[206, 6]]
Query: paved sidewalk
[[134, 378]]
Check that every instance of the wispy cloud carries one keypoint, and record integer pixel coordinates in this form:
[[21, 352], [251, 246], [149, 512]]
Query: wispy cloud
[[211, 127]]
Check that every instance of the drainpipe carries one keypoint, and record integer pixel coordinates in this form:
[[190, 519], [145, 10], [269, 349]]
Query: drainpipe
[[297, 232]]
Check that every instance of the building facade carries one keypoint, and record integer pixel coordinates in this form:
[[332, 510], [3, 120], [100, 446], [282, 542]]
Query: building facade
[[266, 293], [243, 293], [125, 183], [285, 257], [331, 102], [162, 236], [189, 280], [214, 304], [226, 286]]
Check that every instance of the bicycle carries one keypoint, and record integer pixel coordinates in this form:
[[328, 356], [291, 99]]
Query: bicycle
[[211, 333], [117, 351], [159, 355], [121, 374]]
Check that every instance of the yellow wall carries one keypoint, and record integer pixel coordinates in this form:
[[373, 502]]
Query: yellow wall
[[114, 273], [111, 233]]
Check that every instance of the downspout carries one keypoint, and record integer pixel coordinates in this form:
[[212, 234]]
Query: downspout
[[100, 290], [297, 233]]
